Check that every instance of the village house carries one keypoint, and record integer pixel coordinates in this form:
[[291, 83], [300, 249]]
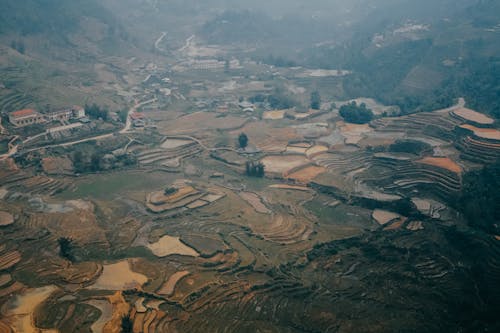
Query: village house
[[245, 105], [75, 112], [78, 112], [26, 117], [138, 119], [61, 115]]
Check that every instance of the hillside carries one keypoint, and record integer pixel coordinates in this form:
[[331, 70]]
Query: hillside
[[59, 59], [420, 56], [423, 63]]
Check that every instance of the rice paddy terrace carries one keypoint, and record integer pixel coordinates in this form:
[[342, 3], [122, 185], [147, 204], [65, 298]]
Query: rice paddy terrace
[[349, 231]]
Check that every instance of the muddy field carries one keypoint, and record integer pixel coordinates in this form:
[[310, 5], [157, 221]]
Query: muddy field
[[201, 121], [282, 164], [473, 116], [486, 133], [445, 163]]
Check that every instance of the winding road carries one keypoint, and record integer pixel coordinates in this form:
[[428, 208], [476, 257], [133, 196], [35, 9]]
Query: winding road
[[158, 41]]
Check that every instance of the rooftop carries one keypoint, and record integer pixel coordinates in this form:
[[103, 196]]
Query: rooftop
[[23, 113], [136, 115]]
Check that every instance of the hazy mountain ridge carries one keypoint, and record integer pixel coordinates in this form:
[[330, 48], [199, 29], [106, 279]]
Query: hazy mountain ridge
[[57, 17]]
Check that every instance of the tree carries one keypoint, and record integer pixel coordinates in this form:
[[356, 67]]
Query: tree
[[95, 162], [255, 169], [66, 248], [243, 140], [315, 100], [20, 47], [122, 115], [78, 161], [96, 112], [127, 324]]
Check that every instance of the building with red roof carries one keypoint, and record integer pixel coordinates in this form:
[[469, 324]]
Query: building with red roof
[[26, 117], [137, 116]]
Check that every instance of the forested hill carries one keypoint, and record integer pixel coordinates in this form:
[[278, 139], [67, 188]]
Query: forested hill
[[422, 62]]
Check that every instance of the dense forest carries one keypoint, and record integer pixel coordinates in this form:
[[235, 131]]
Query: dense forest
[[480, 199]]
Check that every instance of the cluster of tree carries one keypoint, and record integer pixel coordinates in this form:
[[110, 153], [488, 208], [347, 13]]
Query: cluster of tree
[[357, 114], [279, 61], [170, 190], [278, 100], [410, 147], [315, 100], [18, 46], [255, 169], [122, 115], [84, 162], [480, 198], [66, 248], [96, 112], [127, 324]]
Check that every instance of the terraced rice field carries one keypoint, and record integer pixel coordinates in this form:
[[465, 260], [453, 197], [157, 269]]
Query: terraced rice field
[[168, 245], [9, 259], [168, 287], [16, 101], [415, 226], [21, 308], [5, 279], [297, 150], [119, 276], [106, 310], [274, 115], [282, 164], [285, 229], [485, 133], [442, 162], [201, 121], [316, 150], [290, 187], [175, 143], [384, 217], [268, 138], [60, 166], [255, 201], [120, 309], [353, 133], [473, 116], [307, 174], [187, 243], [6, 219]]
